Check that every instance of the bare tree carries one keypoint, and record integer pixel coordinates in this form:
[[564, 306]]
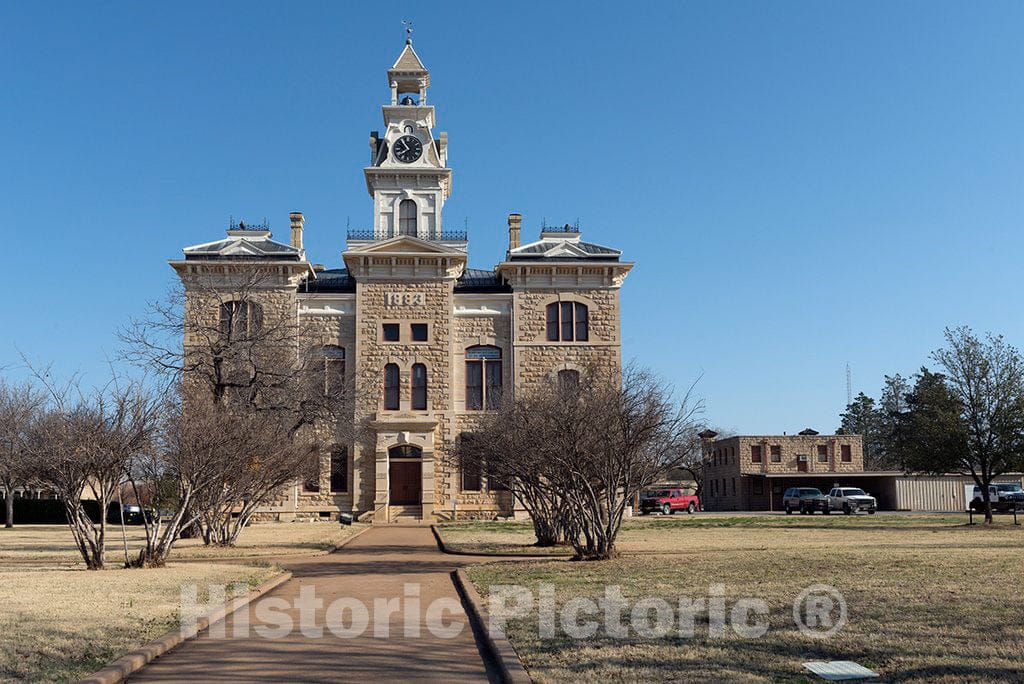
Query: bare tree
[[81, 446], [579, 452], [19, 408], [508, 446], [238, 356]]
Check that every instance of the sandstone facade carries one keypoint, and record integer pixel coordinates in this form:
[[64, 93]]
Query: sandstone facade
[[411, 323]]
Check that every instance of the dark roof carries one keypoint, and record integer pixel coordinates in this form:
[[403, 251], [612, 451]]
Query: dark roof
[[338, 280], [243, 247], [331, 280], [546, 248], [588, 247], [480, 280]]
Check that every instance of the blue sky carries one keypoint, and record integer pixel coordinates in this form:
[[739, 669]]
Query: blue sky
[[802, 185]]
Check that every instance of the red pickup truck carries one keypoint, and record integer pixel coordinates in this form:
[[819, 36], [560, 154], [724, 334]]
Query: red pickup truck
[[668, 501]]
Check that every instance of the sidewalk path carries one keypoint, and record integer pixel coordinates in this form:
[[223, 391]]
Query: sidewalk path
[[376, 565]]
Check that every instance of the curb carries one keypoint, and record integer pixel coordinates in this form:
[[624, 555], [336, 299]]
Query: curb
[[127, 665], [502, 556], [497, 646]]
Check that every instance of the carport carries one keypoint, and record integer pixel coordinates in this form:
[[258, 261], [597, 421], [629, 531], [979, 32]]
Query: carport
[[879, 484]]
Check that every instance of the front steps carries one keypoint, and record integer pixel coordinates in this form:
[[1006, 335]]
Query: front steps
[[405, 515]]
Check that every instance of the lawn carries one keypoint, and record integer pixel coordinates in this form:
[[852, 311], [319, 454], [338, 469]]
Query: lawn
[[52, 544], [60, 622], [929, 598]]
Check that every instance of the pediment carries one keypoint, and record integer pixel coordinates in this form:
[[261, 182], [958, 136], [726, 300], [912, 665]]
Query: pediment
[[406, 244], [241, 248]]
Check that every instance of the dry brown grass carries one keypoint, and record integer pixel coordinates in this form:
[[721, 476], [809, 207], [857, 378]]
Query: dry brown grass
[[60, 622], [59, 625], [52, 545], [930, 600]]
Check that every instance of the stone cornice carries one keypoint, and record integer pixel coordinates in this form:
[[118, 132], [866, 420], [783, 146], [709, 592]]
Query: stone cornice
[[564, 273]]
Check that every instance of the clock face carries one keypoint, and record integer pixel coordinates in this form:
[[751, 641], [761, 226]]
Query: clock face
[[408, 148]]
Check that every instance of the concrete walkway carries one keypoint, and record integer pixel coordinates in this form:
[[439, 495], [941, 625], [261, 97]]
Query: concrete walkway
[[377, 565]]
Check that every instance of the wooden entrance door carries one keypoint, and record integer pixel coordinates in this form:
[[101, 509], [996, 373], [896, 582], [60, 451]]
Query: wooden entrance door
[[406, 483]]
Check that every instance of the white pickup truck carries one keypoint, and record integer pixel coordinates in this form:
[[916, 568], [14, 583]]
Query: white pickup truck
[[849, 500], [1003, 495]]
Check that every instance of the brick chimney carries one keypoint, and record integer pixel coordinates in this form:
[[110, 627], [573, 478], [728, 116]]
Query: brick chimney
[[297, 223], [515, 222]]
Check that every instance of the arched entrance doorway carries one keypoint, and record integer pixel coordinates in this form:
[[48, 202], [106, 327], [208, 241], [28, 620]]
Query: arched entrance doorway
[[405, 475]]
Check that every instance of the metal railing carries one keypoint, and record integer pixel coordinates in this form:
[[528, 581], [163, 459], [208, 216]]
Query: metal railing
[[445, 236]]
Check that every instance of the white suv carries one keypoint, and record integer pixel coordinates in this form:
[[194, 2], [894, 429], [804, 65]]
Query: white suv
[[850, 500]]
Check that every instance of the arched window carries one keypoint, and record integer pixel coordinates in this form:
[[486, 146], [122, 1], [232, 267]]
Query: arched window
[[240, 319], [392, 387], [407, 217], [568, 322], [419, 387], [568, 379], [405, 451], [334, 370], [483, 378]]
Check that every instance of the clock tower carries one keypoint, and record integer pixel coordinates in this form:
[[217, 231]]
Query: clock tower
[[408, 176]]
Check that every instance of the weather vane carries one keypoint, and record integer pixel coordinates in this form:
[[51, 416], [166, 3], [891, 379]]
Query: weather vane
[[407, 23]]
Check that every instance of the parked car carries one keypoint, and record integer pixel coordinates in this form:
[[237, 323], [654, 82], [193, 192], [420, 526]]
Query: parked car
[[849, 500], [668, 501], [806, 500], [1003, 495]]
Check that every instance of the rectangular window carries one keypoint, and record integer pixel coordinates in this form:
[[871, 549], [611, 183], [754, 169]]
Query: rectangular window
[[552, 323], [419, 332], [567, 330], [470, 478], [474, 385], [582, 325], [757, 487], [339, 471], [392, 332], [493, 376], [755, 453], [776, 453], [822, 453], [847, 453]]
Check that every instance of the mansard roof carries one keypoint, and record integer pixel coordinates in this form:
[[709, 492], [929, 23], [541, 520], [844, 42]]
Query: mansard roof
[[563, 246], [481, 280], [244, 244], [338, 280], [330, 280]]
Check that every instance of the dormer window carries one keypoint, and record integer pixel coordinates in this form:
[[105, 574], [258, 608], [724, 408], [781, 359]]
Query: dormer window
[[407, 217]]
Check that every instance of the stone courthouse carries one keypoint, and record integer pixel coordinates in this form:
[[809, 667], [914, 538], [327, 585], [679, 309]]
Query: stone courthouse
[[438, 343]]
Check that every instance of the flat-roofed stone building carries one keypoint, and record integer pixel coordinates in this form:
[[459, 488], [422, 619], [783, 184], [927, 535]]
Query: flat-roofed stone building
[[425, 344]]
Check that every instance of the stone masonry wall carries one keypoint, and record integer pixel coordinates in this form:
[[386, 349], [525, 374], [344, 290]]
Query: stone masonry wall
[[537, 360]]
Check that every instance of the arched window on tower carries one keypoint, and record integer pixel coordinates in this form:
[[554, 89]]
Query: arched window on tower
[[407, 217], [392, 387], [568, 379], [419, 387], [568, 322]]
